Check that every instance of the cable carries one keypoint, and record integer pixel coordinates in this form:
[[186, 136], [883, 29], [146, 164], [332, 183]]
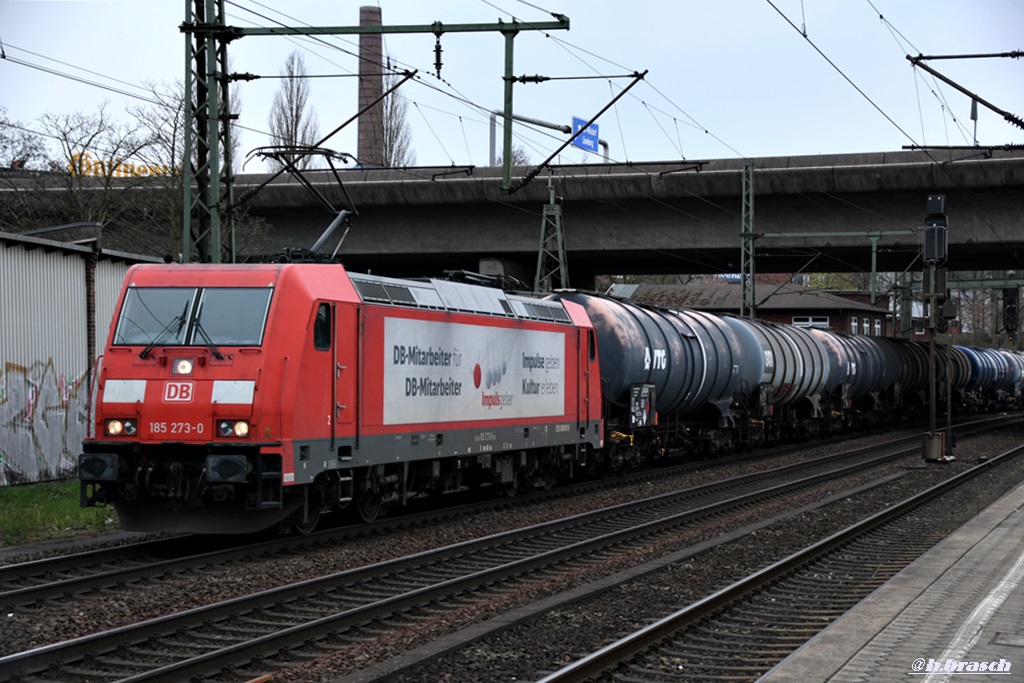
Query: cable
[[540, 9], [902, 41], [941, 166], [16, 126], [79, 79], [443, 148], [841, 73], [418, 79], [664, 132]]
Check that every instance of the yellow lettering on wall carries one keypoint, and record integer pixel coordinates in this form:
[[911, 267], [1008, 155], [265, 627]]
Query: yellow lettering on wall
[[82, 164]]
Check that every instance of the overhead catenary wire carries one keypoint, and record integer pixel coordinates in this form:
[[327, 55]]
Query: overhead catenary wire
[[467, 121], [79, 79], [842, 73], [450, 157], [462, 99], [454, 94], [942, 167]]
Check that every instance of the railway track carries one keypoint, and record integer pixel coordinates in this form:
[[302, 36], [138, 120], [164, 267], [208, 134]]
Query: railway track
[[740, 632], [338, 613], [57, 577], [60, 577]]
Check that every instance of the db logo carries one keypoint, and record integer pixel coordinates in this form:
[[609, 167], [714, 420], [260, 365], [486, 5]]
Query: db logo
[[178, 391]]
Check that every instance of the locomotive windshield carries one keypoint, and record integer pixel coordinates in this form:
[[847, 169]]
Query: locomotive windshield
[[183, 316]]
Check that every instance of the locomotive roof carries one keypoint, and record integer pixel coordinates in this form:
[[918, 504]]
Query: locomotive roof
[[456, 297]]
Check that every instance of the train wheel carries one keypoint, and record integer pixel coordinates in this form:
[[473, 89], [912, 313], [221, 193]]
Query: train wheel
[[305, 528], [368, 495], [369, 506]]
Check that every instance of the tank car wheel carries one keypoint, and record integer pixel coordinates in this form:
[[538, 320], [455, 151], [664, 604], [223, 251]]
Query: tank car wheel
[[510, 489]]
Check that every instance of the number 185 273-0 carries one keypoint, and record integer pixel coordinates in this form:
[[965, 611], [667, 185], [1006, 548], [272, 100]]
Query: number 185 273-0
[[176, 427]]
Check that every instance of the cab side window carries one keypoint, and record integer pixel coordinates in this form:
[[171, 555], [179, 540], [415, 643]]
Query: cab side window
[[322, 328]]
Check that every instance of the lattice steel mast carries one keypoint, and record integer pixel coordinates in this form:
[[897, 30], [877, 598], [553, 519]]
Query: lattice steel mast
[[208, 183]]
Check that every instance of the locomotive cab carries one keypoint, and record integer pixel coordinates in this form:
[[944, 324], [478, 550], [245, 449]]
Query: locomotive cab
[[188, 432]]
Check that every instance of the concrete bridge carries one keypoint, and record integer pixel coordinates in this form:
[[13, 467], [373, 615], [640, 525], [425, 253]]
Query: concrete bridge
[[813, 213]]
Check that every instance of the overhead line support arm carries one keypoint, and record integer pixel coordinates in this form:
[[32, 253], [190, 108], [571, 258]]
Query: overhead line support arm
[[919, 61], [207, 27]]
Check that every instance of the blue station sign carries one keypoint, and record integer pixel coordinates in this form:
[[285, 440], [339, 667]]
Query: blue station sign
[[588, 139]]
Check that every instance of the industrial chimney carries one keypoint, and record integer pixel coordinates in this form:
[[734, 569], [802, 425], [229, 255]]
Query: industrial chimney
[[371, 86]]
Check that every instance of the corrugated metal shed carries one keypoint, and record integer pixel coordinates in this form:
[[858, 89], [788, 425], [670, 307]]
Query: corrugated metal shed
[[43, 304], [44, 350]]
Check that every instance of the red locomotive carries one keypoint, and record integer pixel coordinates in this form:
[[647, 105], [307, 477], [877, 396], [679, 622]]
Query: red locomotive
[[234, 398]]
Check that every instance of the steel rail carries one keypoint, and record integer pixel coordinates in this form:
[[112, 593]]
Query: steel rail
[[40, 588], [610, 656], [36, 575], [70, 651]]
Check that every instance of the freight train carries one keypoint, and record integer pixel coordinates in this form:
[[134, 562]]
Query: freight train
[[236, 398]]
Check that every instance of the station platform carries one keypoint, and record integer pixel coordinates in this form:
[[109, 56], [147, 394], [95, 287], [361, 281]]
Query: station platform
[[956, 613]]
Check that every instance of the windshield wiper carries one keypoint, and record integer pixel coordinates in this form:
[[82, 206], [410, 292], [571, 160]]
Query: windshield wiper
[[164, 333], [209, 342]]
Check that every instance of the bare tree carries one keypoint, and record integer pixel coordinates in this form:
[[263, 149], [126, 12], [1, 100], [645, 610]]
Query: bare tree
[[94, 154], [292, 121], [20, 148], [520, 157], [166, 124], [397, 137], [128, 177]]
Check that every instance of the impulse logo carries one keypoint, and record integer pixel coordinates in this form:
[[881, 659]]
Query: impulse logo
[[490, 378]]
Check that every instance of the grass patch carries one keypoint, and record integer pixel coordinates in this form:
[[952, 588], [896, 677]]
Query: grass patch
[[37, 512]]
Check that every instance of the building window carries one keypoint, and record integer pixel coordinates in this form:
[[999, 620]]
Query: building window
[[853, 324], [919, 328], [878, 327], [867, 327], [819, 321]]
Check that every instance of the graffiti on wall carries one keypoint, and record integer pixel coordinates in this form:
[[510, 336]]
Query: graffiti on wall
[[43, 419]]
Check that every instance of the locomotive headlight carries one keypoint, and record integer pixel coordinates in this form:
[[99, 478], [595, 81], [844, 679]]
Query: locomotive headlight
[[182, 366], [233, 428], [126, 427]]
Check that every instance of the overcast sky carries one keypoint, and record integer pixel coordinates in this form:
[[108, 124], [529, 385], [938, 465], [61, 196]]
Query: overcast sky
[[726, 78]]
